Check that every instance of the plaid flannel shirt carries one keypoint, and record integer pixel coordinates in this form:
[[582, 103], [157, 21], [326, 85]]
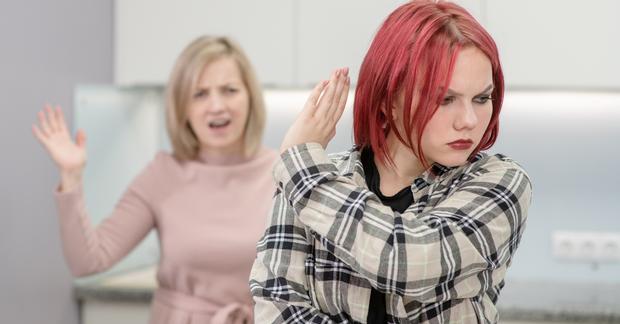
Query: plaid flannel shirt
[[330, 240]]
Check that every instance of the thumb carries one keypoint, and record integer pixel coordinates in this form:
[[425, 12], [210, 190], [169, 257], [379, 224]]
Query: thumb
[[80, 138]]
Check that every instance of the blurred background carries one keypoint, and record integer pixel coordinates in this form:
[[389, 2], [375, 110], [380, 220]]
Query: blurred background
[[106, 62]]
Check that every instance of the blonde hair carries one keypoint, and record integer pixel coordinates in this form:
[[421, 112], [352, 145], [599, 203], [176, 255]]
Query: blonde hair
[[183, 80]]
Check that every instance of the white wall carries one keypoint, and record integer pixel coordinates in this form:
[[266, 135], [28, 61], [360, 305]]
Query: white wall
[[47, 48]]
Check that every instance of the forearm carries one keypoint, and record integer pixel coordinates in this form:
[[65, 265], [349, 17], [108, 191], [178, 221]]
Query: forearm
[[78, 238], [278, 280], [281, 298], [89, 249], [449, 244], [269, 308]]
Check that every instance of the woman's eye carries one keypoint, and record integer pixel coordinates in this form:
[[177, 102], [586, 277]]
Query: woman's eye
[[231, 90], [482, 99], [447, 100], [200, 93]]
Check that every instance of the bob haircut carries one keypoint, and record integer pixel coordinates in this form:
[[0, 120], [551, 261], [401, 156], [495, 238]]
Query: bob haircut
[[413, 54], [183, 82]]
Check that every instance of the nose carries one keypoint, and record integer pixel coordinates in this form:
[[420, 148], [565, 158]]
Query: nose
[[216, 104], [466, 117]]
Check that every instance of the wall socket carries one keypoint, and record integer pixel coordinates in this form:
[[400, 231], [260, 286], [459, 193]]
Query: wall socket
[[587, 247]]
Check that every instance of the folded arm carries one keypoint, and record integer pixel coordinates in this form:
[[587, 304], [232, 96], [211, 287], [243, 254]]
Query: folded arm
[[457, 249], [278, 279]]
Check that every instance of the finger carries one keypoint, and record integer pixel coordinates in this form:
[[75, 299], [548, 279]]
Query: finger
[[39, 135], [45, 128], [51, 118], [60, 119], [80, 138], [342, 103], [328, 96], [342, 80], [311, 103], [345, 92]]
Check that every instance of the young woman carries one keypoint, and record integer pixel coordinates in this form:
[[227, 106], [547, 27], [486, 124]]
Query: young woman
[[414, 224], [208, 200]]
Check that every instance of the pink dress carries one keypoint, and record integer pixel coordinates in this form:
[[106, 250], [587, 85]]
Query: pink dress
[[209, 219]]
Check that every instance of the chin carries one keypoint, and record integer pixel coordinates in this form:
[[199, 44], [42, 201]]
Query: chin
[[453, 161], [220, 145]]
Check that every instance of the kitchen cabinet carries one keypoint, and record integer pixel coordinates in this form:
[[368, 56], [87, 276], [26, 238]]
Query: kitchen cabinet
[[551, 44], [118, 312], [332, 34], [149, 35], [557, 43], [338, 33], [290, 42]]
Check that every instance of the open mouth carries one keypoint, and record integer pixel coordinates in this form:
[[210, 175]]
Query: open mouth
[[219, 123]]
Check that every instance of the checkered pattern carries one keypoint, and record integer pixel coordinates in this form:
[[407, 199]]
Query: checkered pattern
[[441, 261]]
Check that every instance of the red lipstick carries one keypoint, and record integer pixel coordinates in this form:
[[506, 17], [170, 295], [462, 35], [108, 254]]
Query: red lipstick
[[461, 144]]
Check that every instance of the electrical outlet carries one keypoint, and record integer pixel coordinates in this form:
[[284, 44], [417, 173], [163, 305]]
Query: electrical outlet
[[590, 247]]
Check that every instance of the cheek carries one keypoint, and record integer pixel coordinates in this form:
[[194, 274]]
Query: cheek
[[484, 118], [432, 137], [245, 109], [194, 110], [437, 129], [193, 116], [242, 107]]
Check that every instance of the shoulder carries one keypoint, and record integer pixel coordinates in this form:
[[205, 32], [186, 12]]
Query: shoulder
[[347, 162], [156, 173], [497, 172], [496, 163], [161, 163], [267, 155]]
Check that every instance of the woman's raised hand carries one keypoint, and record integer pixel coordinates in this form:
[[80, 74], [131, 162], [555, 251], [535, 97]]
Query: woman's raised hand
[[69, 155], [317, 121]]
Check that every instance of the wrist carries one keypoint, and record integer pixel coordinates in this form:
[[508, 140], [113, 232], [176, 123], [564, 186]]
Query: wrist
[[70, 179]]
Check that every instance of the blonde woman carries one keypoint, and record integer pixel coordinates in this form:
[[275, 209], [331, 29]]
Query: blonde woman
[[208, 199]]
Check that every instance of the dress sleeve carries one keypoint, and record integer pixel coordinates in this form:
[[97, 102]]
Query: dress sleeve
[[277, 281], [460, 248], [91, 249]]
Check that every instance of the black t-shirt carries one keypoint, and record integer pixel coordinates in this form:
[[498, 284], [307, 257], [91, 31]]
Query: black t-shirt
[[377, 313]]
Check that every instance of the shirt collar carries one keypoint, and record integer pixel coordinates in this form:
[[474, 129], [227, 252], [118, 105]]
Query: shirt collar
[[435, 173]]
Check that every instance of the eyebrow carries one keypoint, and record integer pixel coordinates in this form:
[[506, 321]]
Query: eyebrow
[[454, 93], [226, 84]]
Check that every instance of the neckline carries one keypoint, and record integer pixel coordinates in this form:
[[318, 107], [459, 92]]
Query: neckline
[[428, 177], [263, 155], [368, 161]]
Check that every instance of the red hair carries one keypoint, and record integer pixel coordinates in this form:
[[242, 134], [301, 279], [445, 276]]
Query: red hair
[[414, 53]]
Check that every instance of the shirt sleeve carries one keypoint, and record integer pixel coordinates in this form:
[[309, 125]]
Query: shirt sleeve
[[459, 248], [91, 249], [277, 280]]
